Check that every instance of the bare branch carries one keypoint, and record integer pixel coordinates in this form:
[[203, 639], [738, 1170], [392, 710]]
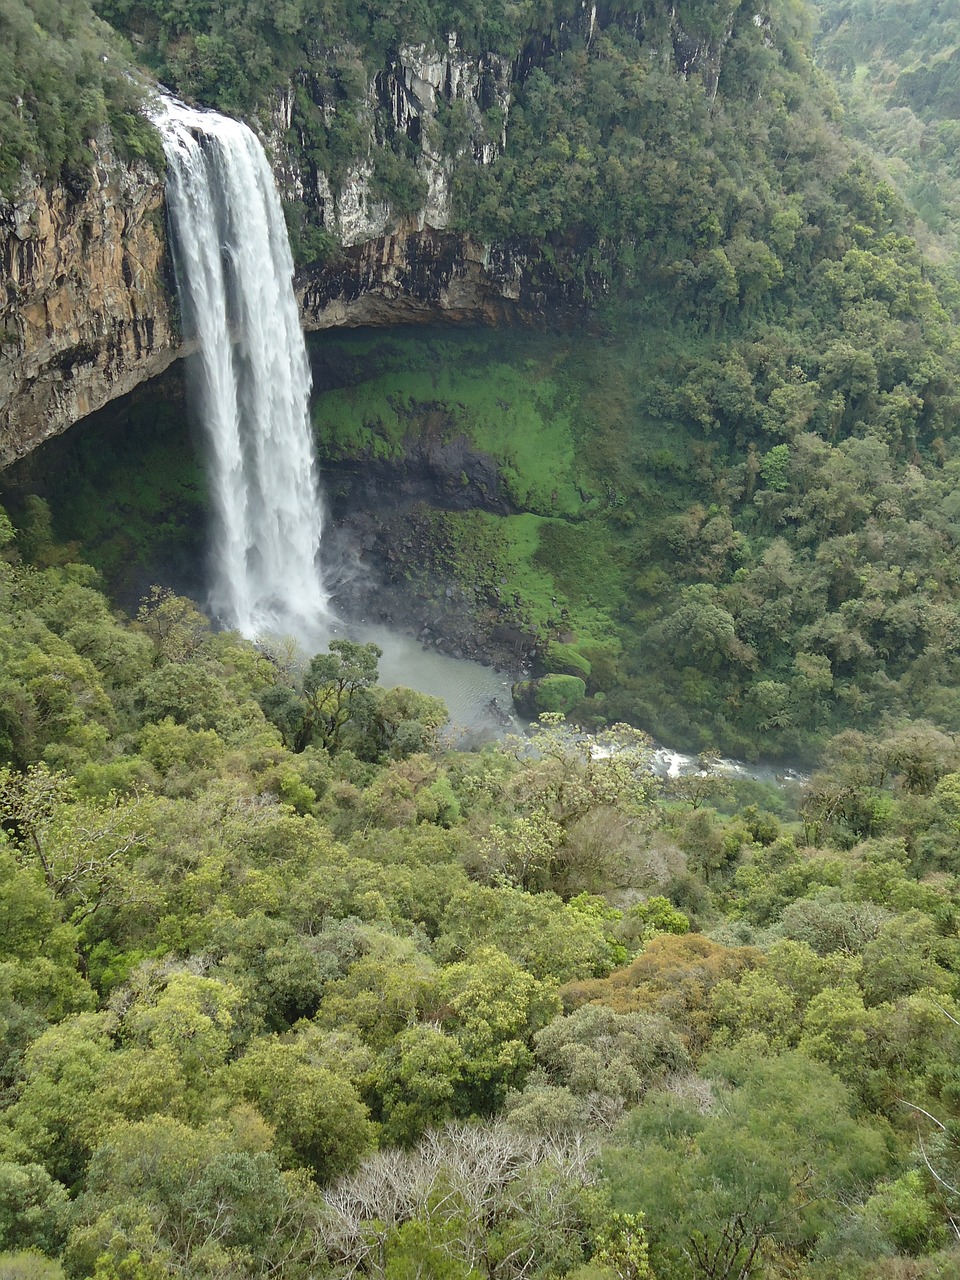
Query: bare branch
[[926, 1161]]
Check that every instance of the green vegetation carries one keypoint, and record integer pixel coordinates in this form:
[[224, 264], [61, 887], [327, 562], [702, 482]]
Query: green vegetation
[[288, 989], [408, 392], [129, 488], [63, 78], [763, 545], [896, 67], [741, 541]]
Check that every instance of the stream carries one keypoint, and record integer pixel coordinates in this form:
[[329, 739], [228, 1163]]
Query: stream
[[481, 705]]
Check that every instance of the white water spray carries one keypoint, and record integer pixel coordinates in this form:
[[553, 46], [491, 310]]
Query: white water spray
[[251, 377]]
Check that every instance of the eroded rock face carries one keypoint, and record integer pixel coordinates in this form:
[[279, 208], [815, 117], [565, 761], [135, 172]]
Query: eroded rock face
[[404, 97], [85, 313], [414, 277]]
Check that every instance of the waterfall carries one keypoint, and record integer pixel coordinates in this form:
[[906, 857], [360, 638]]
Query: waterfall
[[250, 379]]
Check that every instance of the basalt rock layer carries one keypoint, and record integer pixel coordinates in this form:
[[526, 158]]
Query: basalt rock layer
[[89, 312], [423, 276], [86, 312]]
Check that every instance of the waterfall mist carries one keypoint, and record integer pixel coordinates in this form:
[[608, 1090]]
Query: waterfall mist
[[250, 376]]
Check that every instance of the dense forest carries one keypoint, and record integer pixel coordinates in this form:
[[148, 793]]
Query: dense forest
[[290, 986], [737, 526]]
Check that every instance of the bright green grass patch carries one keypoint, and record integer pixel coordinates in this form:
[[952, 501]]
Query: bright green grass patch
[[512, 409], [570, 613], [497, 556]]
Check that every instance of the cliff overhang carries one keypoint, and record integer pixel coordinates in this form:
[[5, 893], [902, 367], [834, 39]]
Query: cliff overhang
[[87, 312]]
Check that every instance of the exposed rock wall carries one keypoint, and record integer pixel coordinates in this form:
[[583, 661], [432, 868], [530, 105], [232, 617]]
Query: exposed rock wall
[[85, 311], [404, 98], [414, 277]]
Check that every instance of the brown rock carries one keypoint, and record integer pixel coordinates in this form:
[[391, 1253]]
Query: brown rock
[[85, 314]]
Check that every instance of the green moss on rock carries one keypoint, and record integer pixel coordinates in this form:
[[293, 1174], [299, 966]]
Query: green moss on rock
[[550, 693]]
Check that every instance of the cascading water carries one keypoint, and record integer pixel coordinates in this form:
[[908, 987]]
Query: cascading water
[[251, 379]]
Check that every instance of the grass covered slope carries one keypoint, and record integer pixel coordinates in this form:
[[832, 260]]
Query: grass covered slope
[[496, 392]]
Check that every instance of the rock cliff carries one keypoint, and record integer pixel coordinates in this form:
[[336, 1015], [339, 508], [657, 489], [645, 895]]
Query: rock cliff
[[85, 312], [420, 276], [416, 269], [405, 98]]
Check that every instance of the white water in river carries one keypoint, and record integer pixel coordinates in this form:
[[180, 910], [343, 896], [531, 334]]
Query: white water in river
[[251, 377]]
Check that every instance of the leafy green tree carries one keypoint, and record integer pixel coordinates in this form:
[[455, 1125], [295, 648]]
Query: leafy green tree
[[416, 1079], [319, 1120], [409, 721], [184, 1017], [382, 993], [336, 689], [415, 1252], [908, 954], [34, 1209], [278, 972], [334, 686], [84, 850], [212, 1200], [613, 1058], [906, 1214], [493, 1007], [622, 1246], [38, 951], [549, 938], [574, 806], [764, 1169], [57, 1119], [176, 627]]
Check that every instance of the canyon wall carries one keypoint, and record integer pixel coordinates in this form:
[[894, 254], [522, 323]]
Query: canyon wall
[[86, 313]]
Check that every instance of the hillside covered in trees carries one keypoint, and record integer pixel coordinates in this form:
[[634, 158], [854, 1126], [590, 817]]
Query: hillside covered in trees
[[289, 988], [730, 509]]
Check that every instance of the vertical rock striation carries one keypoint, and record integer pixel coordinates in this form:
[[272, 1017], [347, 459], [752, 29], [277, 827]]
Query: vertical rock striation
[[85, 313], [404, 98]]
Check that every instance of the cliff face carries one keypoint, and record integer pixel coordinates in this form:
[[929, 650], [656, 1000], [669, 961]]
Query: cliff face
[[418, 269], [85, 313], [401, 271], [412, 277], [405, 98]]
